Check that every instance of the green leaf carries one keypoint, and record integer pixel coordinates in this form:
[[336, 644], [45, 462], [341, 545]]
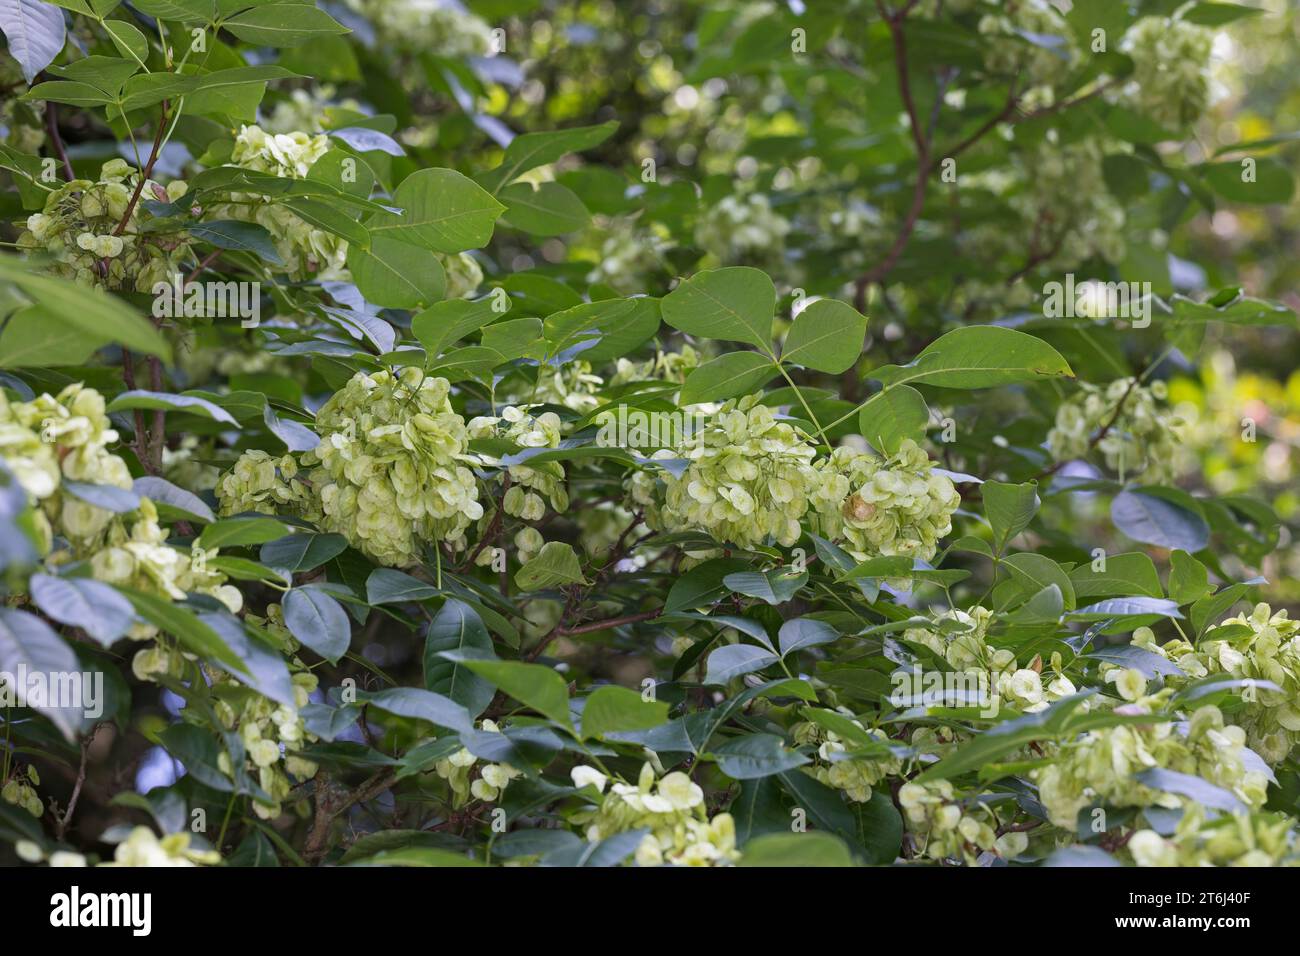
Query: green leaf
[[1189, 580], [892, 415], [513, 338], [420, 704], [35, 33], [1217, 14], [978, 356], [326, 215], [802, 632], [448, 322], [34, 338], [241, 532], [127, 38], [735, 304], [702, 585], [827, 335], [1156, 520], [1238, 310], [69, 92], [456, 627], [241, 236], [735, 660], [729, 375], [416, 856], [149, 89], [473, 361], [615, 326], [318, 621], [751, 756], [441, 210], [1033, 572], [547, 210], [91, 605], [181, 623], [610, 709], [107, 73], [556, 564], [283, 24], [397, 275], [29, 643], [197, 749], [243, 76], [160, 401], [388, 586], [809, 849], [1151, 665], [302, 551], [185, 11], [92, 312], [880, 830], [1009, 509], [1197, 789], [1003, 739], [173, 503], [775, 587], [1271, 183], [536, 686], [1133, 606], [538, 149], [1129, 573]]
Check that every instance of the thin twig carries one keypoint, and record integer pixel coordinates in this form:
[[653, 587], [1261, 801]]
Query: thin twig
[[52, 127], [61, 826]]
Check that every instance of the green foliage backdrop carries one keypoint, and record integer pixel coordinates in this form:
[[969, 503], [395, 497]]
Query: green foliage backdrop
[[675, 432]]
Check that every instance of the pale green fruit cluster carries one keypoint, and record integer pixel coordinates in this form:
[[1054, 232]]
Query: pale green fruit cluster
[[1064, 185], [393, 468], [573, 385], [1143, 439], [1009, 52], [65, 437], [304, 250], [945, 827], [743, 229], [265, 484], [273, 733], [896, 505], [464, 274], [665, 367], [629, 255], [960, 638], [431, 27], [140, 848], [133, 552], [530, 485], [55, 438], [20, 791], [1171, 78], [671, 807], [1230, 839], [182, 465], [306, 109], [1102, 765], [750, 478], [80, 229], [855, 776], [528, 544], [1259, 646], [143, 847], [488, 785]]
